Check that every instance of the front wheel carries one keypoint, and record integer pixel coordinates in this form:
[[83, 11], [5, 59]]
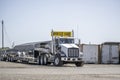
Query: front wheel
[[79, 64], [57, 61]]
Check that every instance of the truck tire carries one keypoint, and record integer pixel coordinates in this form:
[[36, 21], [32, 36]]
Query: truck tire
[[45, 59], [38, 60], [41, 59], [11, 59], [79, 64], [57, 61], [1, 59]]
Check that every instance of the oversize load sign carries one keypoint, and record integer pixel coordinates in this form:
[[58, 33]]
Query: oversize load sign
[[61, 34]]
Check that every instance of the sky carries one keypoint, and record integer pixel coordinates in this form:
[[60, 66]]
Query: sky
[[93, 21]]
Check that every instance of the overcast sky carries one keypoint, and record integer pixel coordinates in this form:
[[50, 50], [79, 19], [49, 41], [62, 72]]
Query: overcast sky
[[94, 21]]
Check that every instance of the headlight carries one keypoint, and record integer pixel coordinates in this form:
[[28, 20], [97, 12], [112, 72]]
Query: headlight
[[63, 54]]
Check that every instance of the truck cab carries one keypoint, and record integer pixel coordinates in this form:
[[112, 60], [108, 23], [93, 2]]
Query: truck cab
[[66, 51], [60, 50]]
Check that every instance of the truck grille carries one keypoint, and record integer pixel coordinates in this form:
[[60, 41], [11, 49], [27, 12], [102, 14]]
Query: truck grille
[[73, 52]]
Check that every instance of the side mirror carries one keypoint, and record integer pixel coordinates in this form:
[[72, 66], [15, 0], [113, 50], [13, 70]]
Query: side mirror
[[77, 41]]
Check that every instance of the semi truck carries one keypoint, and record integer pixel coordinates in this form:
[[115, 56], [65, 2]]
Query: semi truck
[[61, 50]]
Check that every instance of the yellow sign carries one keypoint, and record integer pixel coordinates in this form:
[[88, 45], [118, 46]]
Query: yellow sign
[[61, 34]]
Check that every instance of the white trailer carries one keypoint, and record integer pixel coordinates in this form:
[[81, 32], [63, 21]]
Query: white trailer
[[110, 53], [91, 53]]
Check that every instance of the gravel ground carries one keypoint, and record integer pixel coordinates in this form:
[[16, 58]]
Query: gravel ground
[[19, 71]]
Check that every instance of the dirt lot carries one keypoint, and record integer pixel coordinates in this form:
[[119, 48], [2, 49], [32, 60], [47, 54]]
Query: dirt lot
[[18, 71]]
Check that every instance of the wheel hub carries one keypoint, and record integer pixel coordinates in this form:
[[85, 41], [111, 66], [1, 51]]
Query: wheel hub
[[57, 61]]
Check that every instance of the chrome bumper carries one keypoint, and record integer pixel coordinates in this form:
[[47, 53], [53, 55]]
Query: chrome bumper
[[71, 59]]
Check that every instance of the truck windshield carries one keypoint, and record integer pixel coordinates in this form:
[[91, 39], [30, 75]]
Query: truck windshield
[[66, 40]]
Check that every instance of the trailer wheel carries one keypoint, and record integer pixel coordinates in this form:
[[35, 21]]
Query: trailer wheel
[[79, 64], [9, 59], [1, 59], [38, 60], [57, 61]]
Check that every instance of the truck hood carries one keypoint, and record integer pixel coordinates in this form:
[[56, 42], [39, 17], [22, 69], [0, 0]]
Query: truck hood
[[70, 45]]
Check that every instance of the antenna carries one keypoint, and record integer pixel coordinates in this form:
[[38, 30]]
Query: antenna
[[72, 33], [13, 44], [2, 34], [77, 31]]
